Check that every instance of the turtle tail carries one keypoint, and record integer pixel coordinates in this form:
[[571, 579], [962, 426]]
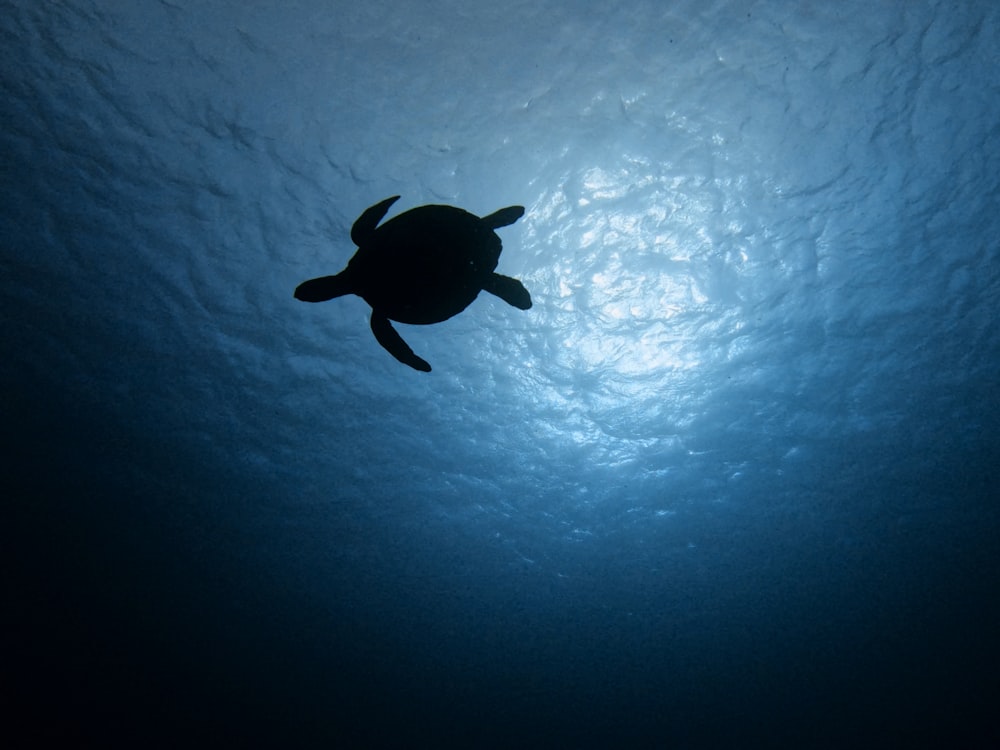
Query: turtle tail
[[323, 288]]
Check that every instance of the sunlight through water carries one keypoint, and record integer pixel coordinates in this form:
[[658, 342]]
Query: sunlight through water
[[640, 306]]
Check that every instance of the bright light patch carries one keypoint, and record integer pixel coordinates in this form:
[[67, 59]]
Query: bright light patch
[[625, 274]]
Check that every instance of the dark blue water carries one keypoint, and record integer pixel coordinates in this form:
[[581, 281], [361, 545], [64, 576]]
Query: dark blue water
[[731, 482]]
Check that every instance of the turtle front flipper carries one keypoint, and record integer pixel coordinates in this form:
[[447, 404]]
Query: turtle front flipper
[[503, 217], [324, 288], [393, 343], [509, 290], [367, 222]]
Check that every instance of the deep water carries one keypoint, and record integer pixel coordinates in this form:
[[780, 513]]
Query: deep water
[[731, 482]]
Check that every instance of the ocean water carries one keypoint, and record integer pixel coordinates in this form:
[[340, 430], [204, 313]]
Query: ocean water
[[731, 482]]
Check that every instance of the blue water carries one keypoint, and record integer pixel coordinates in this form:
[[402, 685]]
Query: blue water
[[731, 482]]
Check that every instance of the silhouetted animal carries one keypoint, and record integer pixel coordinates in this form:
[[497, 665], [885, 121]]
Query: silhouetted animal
[[422, 266]]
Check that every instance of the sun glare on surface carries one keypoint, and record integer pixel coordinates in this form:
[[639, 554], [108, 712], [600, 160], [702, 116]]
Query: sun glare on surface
[[623, 283]]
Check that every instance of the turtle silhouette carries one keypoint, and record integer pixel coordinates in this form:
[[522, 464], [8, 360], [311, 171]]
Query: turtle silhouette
[[421, 267]]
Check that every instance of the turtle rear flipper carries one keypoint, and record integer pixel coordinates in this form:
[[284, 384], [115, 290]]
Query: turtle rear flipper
[[367, 222], [323, 288], [503, 217], [393, 343], [509, 290]]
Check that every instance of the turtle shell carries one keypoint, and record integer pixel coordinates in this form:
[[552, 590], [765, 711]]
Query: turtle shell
[[425, 265]]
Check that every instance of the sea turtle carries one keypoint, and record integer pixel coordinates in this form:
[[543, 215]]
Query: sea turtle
[[421, 267]]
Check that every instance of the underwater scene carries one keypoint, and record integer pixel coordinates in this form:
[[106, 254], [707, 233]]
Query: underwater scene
[[532, 374]]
